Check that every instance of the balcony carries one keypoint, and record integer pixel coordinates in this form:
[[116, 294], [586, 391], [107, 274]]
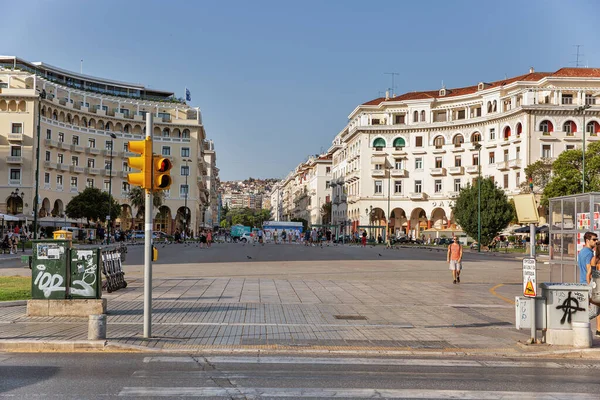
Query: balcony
[[15, 137], [74, 189], [352, 176], [92, 150], [438, 150], [93, 171], [123, 174], [417, 196], [63, 167], [47, 186], [124, 194], [51, 143], [59, 187], [502, 165], [108, 172], [456, 170], [437, 171], [78, 149], [453, 195], [49, 165], [399, 173], [77, 169], [514, 164], [472, 169], [352, 199], [14, 159], [378, 173]]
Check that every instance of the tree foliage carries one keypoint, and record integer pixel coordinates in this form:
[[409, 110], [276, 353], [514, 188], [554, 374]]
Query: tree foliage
[[326, 213], [304, 222], [496, 211], [248, 217], [137, 198], [92, 204], [541, 172]]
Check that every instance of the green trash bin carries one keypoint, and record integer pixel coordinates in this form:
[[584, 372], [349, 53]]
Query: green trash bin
[[84, 280], [49, 269]]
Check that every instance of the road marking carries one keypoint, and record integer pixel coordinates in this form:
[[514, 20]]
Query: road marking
[[493, 292], [426, 362], [347, 393]]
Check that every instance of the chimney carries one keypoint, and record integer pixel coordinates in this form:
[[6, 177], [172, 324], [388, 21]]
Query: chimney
[[531, 70], [387, 94]]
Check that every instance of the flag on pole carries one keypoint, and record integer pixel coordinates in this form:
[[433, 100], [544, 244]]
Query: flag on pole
[[188, 95]]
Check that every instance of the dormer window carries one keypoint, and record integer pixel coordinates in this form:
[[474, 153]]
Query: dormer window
[[379, 144], [442, 92]]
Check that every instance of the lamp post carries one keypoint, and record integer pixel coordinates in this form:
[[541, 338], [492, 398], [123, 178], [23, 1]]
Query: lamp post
[[581, 109], [369, 212], [108, 218], [389, 219], [478, 148], [37, 165], [187, 191]]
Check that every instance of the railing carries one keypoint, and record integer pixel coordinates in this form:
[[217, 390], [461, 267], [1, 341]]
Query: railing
[[438, 171], [14, 159], [18, 137], [456, 170], [14, 182]]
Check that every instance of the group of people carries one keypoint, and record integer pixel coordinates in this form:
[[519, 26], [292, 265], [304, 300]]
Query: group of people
[[10, 242]]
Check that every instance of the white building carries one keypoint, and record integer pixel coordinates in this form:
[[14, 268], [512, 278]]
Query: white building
[[408, 156]]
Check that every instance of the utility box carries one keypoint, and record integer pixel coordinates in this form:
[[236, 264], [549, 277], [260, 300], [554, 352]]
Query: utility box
[[49, 269], [84, 282], [523, 312], [566, 303]]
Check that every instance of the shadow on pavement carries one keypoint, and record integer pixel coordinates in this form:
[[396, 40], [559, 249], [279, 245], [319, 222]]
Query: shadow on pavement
[[15, 377]]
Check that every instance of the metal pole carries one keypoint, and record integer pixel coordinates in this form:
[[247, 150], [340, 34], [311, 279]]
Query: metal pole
[[479, 203], [112, 144], [583, 162], [148, 247], [187, 190], [388, 210], [37, 166], [532, 254]]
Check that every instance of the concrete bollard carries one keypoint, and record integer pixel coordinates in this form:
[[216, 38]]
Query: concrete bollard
[[582, 336], [97, 327]]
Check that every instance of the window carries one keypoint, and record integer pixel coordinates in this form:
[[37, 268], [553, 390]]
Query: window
[[399, 143], [491, 178], [398, 187], [183, 190], [438, 186], [458, 140], [546, 127], [492, 134], [457, 186], [48, 155], [185, 170], [460, 114], [398, 119], [423, 116], [546, 151], [125, 187], [75, 140], [89, 183], [592, 127], [438, 162], [185, 152], [15, 151], [569, 128], [419, 163], [378, 187], [75, 161], [73, 182], [567, 99], [475, 159], [108, 145], [17, 128], [476, 137], [166, 151], [47, 178], [379, 143], [15, 174], [327, 170], [106, 185], [570, 147], [518, 178], [399, 164], [107, 164], [59, 180], [518, 153], [91, 163], [505, 155], [457, 161], [415, 116], [419, 141], [505, 181], [375, 121], [61, 137], [438, 142], [92, 143], [327, 186], [49, 134], [492, 158], [589, 99], [60, 158], [418, 186]]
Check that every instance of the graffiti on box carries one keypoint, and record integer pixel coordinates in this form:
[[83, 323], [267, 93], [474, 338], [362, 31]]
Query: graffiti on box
[[47, 282], [86, 269]]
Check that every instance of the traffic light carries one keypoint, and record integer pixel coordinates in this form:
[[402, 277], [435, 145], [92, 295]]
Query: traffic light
[[162, 173], [143, 163], [531, 183]]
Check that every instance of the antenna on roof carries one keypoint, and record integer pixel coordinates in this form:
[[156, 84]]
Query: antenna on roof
[[578, 55], [393, 74], [81, 67]]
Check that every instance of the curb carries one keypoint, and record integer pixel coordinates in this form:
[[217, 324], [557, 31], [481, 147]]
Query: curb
[[58, 346], [13, 303]]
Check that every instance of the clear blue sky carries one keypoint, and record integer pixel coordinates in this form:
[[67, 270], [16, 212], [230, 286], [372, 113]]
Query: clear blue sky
[[276, 80]]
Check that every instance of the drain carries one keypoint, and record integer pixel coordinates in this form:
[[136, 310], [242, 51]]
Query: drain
[[351, 317]]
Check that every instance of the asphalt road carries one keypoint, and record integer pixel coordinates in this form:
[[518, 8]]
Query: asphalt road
[[148, 376]]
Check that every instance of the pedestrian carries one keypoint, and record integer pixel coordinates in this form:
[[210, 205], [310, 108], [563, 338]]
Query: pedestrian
[[260, 236], [594, 267], [307, 238], [363, 240], [314, 237], [283, 236], [275, 236], [454, 258], [208, 239]]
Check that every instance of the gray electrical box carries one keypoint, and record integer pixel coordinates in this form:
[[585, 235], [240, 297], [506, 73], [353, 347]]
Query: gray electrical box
[[566, 303], [523, 312]]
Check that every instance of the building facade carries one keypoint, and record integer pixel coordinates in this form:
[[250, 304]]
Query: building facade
[[85, 123]]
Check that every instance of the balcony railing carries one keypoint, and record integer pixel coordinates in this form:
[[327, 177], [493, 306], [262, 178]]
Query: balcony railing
[[437, 171], [92, 150], [93, 171], [472, 169], [77, 169], [456, 170], [417, 196], [378, 173], [502, 165], [15, 137], [59, 187], [51, 143], [14, 159], [516, 163], [399, 173]]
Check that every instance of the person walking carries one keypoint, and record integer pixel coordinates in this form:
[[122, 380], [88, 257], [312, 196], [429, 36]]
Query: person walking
[[454, 258], [208, 239], [363, 240], [594, 266]]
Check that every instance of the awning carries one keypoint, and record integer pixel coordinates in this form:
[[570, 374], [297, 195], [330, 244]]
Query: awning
[[7, 217]]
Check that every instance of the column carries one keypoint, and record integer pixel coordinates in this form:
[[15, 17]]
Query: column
[[428, 224], [513, 102], [467, 112], [449, 114], [69, 96], [138, 109], [84, 100], [101, 103]]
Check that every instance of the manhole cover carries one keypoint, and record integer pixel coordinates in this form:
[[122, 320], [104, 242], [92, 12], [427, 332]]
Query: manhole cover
[[351, 317]]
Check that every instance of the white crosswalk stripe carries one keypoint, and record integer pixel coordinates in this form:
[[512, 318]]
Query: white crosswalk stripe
[[239, 392]]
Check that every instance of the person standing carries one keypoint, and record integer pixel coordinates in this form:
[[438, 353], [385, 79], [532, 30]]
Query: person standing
[[454, 257], [364, 239], [208, 239], [594, 266], [584, 258]]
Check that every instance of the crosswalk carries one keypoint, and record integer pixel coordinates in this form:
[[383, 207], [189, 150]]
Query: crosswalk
[[257, 377]]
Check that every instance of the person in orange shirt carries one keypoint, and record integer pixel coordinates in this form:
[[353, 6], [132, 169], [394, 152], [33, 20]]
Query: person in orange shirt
[[454, 257]]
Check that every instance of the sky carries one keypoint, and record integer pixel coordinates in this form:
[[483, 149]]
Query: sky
[[276, 80]]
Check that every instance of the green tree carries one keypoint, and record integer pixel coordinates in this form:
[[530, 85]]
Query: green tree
[[326, 213], [137, 198], [541, 172], [496, 211], [304, 222], [92, 204], [224, 211]]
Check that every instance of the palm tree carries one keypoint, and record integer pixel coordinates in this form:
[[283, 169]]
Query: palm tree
[[137, 197]]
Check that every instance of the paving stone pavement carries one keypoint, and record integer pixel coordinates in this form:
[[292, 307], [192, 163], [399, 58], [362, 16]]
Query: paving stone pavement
[[194, 314]]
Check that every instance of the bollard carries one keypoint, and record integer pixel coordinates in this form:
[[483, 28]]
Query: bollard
[[582, 336], [97, 327]]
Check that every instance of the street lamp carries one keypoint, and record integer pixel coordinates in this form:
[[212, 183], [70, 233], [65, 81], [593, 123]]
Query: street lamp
[[37, 165], [388, 205], [108, 219], [477, 147], [187, 191], [369, 212], [581, 109]]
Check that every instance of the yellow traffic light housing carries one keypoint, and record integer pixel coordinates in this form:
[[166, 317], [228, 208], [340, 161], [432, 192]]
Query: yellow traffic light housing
[[143, 163], [162, 173]]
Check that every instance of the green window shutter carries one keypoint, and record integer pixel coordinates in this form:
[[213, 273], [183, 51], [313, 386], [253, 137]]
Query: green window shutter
[[399, 142], [379, 142]]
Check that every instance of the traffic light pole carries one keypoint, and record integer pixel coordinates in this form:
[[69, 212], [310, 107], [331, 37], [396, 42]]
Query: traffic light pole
[[148, 246]]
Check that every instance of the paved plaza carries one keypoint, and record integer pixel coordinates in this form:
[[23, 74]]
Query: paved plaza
[[287, 297]]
